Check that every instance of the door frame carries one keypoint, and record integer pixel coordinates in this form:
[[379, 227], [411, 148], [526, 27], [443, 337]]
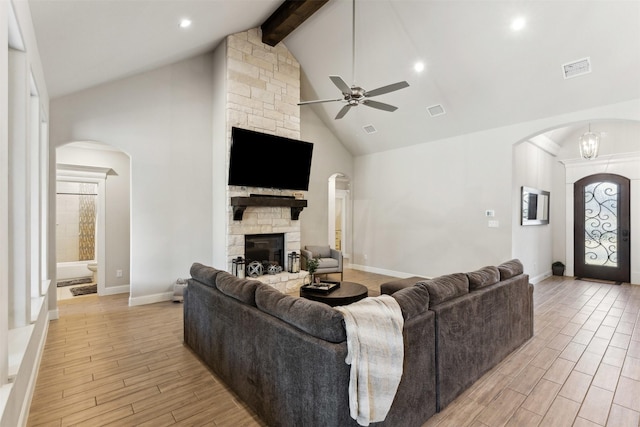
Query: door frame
[[627, 165], [622, 271]]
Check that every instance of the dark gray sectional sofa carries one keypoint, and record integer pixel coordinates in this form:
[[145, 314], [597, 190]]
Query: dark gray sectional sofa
[[285, 356], [481, 317]]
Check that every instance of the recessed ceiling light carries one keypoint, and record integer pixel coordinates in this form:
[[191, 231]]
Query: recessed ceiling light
[[185, 23], [418, 67], [518, 23]]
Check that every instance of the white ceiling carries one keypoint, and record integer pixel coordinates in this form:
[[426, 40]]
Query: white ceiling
[[484, 74]]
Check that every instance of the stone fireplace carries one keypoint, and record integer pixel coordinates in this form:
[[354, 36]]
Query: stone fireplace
[[263, 91]]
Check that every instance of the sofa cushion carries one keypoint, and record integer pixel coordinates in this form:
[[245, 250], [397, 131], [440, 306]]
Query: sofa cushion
[[484, 277], [241, 289], [204, 274], [445, 288], [328, 263], [312, 317], [319, 251], [510, 269], [392, 286], [413, 300]]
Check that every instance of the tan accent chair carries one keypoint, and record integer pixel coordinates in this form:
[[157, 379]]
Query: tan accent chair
[[330, 259]]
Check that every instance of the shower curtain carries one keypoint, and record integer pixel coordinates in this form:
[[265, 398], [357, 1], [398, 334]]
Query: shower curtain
[[87, 222]]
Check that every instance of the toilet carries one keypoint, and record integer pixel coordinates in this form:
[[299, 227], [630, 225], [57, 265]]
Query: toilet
[[93, 266]]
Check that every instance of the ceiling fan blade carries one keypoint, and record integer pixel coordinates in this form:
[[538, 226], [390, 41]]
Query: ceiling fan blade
[[344, 110], [379, 105], [341, 84], [319, 101], [386, 89]]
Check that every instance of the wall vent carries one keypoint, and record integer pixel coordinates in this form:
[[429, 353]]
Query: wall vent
[[436, 110], [576, 68], [369, 129]]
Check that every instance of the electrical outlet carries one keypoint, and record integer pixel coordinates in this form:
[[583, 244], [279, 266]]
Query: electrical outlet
[[118, 273], [494, 224]]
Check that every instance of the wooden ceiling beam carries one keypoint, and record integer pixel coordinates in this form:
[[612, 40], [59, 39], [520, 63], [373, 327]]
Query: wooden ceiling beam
[[289, 16]]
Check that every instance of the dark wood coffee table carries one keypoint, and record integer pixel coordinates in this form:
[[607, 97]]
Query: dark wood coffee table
[[347, 293]]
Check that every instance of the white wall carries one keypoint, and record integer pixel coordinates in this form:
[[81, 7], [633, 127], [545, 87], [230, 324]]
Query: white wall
[[426, 203], [532, 244], [117, 206], [420, 210], [163, 120], [329, 157]]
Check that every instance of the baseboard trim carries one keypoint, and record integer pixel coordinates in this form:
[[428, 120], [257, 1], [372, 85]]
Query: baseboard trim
[[539, 278], [151, 299], [112, 290], [383, 271]]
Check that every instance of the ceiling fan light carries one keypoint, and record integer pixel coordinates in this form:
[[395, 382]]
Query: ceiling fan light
[[589, 144]]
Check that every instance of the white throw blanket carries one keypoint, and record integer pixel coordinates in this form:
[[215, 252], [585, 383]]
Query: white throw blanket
[[376, 355]]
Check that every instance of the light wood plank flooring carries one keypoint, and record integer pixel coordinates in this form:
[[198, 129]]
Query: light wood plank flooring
[[106, 363]]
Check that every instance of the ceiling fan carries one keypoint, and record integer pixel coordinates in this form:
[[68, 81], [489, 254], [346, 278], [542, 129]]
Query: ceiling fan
[[355, 95]]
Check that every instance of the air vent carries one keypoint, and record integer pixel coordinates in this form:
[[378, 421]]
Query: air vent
[[369, 129], [436, 110], [576, 68]]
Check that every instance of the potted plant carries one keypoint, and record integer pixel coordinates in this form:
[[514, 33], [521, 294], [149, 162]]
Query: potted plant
[[557, 268], [312, 266]]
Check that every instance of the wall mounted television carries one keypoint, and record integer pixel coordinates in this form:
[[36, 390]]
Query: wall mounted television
[[268, 161]]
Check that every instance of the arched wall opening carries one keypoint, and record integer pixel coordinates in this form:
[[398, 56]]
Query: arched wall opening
[[339, 214], [550, 160], [79, 165]]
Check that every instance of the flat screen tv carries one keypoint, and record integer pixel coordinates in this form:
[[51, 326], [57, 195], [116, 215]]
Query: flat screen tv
[[261, 160]]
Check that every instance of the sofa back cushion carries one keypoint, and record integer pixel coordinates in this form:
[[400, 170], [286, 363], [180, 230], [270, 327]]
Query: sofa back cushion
[[243, 290], [312, 317], [510, 269], [484, 277], [445, 288], [204, 274], [319, 251], [413, 301]]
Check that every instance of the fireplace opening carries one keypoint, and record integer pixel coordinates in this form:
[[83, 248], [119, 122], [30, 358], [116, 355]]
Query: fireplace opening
[[267, 249]]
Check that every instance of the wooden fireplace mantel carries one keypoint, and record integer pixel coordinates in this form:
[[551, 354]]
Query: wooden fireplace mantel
[[239, 205]]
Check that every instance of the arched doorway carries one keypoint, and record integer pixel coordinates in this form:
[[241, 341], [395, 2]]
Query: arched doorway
[[107, 170], [339, 214]]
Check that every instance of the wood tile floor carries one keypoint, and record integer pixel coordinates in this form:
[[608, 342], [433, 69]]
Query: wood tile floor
[[106, 363]]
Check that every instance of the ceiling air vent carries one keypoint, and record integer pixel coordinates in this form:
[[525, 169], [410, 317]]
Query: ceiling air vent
[[436, 110], [576, 68], [369, 129]]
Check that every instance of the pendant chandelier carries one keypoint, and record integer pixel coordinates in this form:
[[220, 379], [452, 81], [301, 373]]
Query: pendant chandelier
[[589, 143]]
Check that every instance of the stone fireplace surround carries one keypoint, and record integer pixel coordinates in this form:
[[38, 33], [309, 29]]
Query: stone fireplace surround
[[266, 220], [263, 91]]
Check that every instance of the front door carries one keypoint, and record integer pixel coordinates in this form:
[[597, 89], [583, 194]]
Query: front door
[[601, 228]]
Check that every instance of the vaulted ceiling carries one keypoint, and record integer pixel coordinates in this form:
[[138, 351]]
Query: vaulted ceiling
[[483, 73]]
